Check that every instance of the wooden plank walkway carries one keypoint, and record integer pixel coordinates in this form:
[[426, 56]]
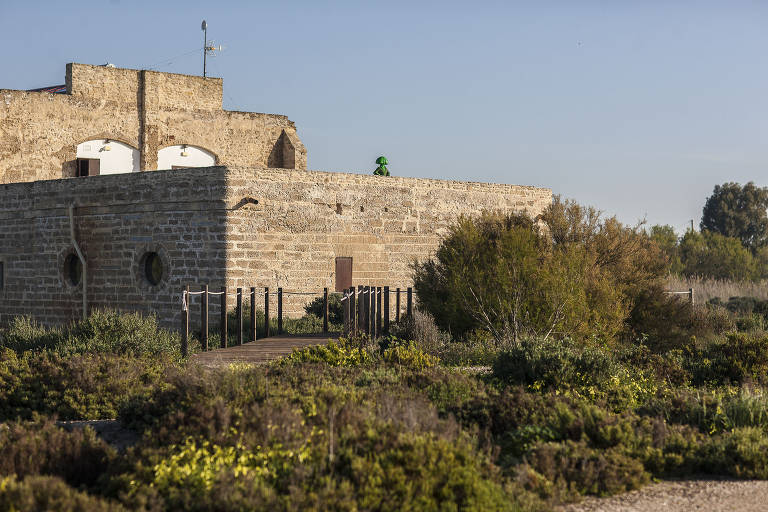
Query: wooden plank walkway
[[261, 350]]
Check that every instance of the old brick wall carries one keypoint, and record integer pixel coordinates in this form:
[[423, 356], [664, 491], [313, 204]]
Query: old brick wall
[[39, 132], [241, 227]]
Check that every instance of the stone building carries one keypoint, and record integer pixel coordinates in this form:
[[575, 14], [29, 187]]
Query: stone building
[[247, 222], [108, 120]]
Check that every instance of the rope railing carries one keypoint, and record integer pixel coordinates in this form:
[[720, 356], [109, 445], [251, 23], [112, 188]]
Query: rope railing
[[366, 310]]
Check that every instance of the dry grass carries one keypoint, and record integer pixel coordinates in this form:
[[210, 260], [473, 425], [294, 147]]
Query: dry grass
[[705, 289]]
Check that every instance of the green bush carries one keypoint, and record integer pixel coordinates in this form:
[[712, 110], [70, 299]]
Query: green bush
[[564, 366], [710, 254], [87, 386], [341, 353], [335, 308], [580, 277], [407, 354], [102, 332], [42, 448], [734, 357], [711, 410], [575, 468], [49, 493]]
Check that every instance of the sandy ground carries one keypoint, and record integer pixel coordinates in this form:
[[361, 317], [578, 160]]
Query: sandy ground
[[683, 496]]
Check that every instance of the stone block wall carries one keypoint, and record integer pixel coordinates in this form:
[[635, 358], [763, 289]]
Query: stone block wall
[[238, 227], [148, 110], [118, 218]]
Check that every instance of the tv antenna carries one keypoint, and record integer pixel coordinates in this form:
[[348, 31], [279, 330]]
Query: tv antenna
[[208, 46]]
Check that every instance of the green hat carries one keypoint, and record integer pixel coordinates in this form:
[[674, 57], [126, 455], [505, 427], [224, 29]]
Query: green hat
[[382, 160]]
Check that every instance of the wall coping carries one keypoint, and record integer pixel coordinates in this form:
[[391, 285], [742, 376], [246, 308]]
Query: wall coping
[[260, 173]]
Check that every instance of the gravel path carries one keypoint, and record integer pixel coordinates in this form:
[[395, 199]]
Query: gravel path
[[683, 496]]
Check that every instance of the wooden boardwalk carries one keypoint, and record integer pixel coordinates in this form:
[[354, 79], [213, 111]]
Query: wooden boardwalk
[[261, 350]]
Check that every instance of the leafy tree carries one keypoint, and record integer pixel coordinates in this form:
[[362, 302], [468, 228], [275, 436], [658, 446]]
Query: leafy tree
[[739, 212], [667, 241], [576, 277], [710, 254]]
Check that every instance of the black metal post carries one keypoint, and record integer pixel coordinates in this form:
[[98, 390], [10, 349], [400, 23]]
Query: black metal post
[[223, 323], [279, 310], [410, 301], [360, 311], [185, 325], [367, 303], [325, 310], [253, 313], [239, 316], [266, 312], [386, 310], [204, 318], [352, 312], [373, 311], [397, 306], [378, 311]]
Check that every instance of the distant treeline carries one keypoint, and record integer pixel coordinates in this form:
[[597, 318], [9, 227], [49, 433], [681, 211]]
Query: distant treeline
[[733, 239]]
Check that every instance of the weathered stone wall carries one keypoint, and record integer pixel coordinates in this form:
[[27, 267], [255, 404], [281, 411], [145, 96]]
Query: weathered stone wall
[[118, 218], [241, 227], [305, 220], [39, 132]]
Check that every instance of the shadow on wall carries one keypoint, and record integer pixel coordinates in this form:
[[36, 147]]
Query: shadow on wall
[[283, 153]]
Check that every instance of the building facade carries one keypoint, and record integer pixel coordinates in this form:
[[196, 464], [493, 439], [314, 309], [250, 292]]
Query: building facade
[[110, 120], [70, 177]]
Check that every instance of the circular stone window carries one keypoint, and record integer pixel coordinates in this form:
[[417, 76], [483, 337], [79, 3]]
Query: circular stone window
[[73, 269], [154, 270]]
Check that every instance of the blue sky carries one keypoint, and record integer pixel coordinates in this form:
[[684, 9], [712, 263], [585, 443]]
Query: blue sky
[[638, 108]]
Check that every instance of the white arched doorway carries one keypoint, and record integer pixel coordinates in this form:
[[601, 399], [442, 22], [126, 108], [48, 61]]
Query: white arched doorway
[[183, 155], [105, 156]]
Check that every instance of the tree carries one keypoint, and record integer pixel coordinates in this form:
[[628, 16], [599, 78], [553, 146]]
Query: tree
[[577, 275], [739, 212], [710, 254], [667, 241]]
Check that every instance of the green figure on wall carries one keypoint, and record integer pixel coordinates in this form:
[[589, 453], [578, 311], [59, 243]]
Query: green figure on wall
[[381, 170]]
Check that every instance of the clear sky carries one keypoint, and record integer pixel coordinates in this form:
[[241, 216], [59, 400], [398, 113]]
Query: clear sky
[[636, 107]]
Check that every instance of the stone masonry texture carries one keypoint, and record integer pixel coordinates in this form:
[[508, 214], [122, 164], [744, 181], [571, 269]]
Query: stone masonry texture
[[224, 226], [148, 110]]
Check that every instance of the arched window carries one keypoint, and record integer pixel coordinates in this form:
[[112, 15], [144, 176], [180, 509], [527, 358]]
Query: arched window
[[105, 156], [183, 155]]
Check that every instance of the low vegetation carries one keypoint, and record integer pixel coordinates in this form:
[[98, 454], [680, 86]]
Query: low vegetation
[[541, 365]]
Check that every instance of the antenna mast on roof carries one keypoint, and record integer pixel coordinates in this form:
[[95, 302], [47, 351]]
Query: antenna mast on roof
[[207, 45]]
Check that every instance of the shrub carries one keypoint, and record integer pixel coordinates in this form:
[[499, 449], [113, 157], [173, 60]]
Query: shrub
[[421, 328], [408, 355], [575, 468], [711, 410], [42, 448], [341, 353], [49, 493], [102, 332], [87, 386], [713, 255], [578, 278], [666, 322], [563, 366], [742, 453], [734, 357], [335, 308]]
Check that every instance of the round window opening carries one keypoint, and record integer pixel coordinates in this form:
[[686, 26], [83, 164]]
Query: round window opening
[[153, 268], [73, 269]]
